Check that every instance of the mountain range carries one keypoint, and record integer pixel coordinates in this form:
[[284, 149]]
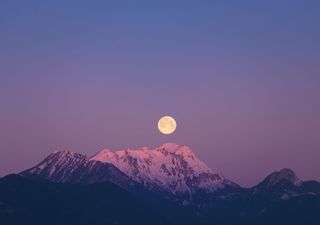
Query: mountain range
[[165, 185]]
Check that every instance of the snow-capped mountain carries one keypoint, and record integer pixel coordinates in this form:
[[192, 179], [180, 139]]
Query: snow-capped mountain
[[65, 166], [171, 167], [169, 180]]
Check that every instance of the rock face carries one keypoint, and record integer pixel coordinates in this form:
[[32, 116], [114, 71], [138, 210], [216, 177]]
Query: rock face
[[171, 167]]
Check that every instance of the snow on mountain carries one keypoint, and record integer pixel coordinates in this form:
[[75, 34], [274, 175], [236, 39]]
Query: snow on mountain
[[283, 184], [284, 175], [171, 167], [59, 165], [66, 166]]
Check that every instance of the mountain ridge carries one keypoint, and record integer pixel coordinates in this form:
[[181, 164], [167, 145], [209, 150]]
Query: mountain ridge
[[280, 198], [170, 168], [65, 166], [32, 200], [170, 165]]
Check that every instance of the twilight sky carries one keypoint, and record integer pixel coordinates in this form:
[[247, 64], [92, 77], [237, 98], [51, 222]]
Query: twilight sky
[[242, 79]]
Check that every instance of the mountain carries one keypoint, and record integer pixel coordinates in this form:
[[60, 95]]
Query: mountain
[[284, 184], [165, 185], [171, 169], [281, 198], [68, 167], [283, 176]]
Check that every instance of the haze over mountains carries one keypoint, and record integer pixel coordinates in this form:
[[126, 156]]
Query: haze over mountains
[[166, 185]]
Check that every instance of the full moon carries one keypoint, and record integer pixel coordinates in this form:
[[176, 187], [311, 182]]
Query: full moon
[[167, 125]]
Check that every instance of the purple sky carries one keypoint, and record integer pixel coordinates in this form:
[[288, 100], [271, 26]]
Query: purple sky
[[242, 79]]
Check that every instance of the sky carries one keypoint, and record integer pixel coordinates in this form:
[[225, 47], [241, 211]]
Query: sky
[[241, 78]]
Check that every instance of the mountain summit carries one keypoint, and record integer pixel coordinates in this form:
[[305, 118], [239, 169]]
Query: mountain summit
[[284, 175], [67, 167]]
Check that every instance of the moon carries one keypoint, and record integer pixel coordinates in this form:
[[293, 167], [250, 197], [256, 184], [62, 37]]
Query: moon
[[167, 125]]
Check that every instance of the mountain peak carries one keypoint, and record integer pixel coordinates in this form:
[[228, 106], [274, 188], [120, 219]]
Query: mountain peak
[[176, 148], [66, 166], [65, 153], [56, 162], [170, 146], [285, 174]]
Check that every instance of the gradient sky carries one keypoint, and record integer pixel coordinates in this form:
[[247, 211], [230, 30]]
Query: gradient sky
[[242, 79]]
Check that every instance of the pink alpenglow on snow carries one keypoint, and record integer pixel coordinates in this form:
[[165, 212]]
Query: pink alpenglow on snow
[[172, 167]]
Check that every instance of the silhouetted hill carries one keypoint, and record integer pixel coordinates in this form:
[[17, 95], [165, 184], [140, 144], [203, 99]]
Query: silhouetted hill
[[33, 200], [38, 202]]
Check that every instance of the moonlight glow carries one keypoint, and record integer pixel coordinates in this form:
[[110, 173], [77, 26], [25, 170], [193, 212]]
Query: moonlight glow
[[167, 125]]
